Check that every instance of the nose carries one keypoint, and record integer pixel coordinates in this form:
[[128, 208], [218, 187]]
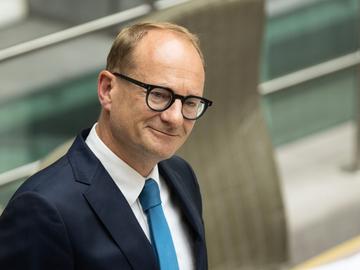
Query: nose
[[173, 115]]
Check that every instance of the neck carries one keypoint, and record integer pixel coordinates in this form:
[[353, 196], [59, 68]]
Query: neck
[[139, 162]]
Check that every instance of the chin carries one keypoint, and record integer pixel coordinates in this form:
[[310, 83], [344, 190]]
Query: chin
[[161, 154], [161, 148]]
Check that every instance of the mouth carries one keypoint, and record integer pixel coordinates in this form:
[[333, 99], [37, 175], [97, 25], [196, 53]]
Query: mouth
[[166, 133]]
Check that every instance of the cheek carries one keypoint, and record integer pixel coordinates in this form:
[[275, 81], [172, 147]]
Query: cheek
[[188, 126], [129, 106]]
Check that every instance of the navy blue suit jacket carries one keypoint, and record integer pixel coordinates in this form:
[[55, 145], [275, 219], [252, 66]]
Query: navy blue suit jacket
[[71, 215]]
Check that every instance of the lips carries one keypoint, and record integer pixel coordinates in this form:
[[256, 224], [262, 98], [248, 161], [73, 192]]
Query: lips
[[167, 133]]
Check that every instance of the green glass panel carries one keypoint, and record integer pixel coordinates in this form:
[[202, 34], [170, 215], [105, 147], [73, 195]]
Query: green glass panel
[[311, 107], [34, 125]]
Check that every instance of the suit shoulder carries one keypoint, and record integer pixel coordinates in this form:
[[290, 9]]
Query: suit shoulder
[[48, 179], [178, 166], [177, 163], [185, 176]]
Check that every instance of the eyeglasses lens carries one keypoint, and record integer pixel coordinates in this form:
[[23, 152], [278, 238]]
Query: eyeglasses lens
[[192, 107], [159, 99]]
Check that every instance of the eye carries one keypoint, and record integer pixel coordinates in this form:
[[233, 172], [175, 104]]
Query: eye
[[158, 95], [192, 102]]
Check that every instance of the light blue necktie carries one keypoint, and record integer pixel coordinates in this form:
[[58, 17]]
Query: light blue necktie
[[159, 229]]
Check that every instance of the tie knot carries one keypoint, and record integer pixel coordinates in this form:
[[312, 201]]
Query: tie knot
[[150, 195]]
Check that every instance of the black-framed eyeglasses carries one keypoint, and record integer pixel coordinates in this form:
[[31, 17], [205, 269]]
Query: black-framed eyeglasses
[[159, 99]]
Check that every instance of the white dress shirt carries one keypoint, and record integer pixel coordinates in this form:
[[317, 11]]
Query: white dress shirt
[[131, 183]]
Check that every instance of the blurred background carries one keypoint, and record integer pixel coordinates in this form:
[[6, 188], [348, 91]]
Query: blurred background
[[308, 88]]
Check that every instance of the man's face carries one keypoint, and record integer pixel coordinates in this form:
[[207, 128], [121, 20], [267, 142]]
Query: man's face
[[165, 59]]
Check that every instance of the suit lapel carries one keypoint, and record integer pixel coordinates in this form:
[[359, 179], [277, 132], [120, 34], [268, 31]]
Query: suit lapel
[[111, 207], [192, 215], [186, 203], [115, 213]]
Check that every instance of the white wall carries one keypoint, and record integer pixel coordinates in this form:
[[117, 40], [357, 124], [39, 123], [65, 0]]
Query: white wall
[[12, 11]]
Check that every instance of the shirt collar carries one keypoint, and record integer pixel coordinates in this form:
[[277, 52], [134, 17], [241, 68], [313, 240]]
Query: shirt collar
[[129, 181]]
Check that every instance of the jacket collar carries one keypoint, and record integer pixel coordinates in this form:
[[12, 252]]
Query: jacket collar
[[110, 205], [176, 185], [193, 217]]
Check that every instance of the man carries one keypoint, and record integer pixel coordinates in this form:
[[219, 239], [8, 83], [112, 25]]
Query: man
[[88, 210]]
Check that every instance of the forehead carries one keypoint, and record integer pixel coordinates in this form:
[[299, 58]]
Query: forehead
[[168, 56], [166, 47]]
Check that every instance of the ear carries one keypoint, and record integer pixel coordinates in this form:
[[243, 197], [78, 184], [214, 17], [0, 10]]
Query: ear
[[105, 85]]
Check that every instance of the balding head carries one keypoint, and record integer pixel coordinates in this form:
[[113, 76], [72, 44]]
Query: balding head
[[121, 58]]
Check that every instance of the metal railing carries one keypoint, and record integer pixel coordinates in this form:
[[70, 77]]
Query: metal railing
[[310, 73], [317, 71], [19, 173], [86, 28], [73, 32]]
